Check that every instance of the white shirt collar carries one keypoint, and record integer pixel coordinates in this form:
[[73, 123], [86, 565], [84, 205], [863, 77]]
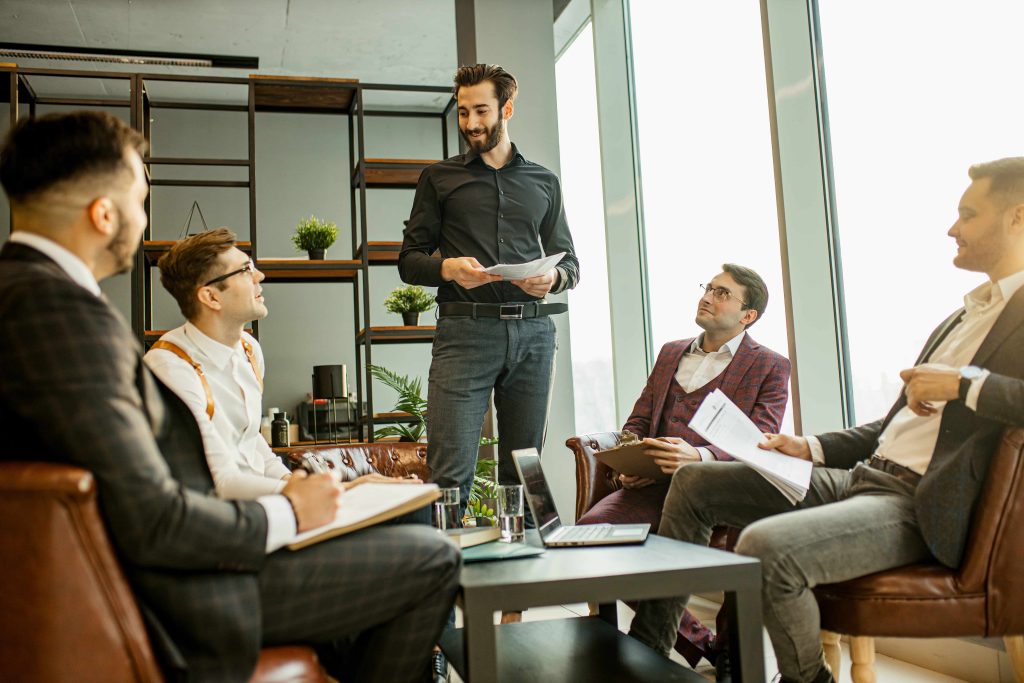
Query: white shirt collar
[[731, 346], [989, 293], [218, 353], [68, 262]]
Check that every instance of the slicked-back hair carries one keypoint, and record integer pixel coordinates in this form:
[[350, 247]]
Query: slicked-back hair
[[756, 290], [1007, 176], [43, 152], [505, 85], [190, 263]]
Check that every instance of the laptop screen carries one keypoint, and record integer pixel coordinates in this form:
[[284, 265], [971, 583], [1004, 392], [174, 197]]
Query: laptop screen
[[541, 502]]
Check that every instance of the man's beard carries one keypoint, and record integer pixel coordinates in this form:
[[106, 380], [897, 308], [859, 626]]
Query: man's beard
[[121, 248], [488, 143]]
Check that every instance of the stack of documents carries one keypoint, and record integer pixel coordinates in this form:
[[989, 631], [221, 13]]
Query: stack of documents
[[723, 424], [521, 271]]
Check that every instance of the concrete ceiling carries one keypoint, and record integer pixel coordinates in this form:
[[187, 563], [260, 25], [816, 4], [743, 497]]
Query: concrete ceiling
[[377, 41]]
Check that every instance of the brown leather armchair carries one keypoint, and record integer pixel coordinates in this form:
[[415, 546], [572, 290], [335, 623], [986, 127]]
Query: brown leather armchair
[[984, 597], [66, 610]]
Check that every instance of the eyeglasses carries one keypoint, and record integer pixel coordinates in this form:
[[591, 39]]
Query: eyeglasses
[[720, 294], [249, 267]]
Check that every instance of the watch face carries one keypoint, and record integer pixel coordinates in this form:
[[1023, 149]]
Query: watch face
[[970, 372]]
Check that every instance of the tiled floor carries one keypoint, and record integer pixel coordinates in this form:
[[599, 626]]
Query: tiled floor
[[888, 670]]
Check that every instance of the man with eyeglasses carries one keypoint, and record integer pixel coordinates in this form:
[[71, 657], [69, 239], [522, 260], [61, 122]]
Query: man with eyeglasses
[[723, 357], [211, 576], [214, 365], [893, 492]]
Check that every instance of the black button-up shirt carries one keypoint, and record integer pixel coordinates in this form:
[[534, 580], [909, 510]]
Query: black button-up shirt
[[464, 207]]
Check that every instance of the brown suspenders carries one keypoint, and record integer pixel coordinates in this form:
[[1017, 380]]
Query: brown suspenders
[[180, 353]]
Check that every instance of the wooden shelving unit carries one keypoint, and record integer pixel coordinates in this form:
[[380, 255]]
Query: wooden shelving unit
[[380, 253], [398, 174], [298, 270], [282, 94], [401, 334]]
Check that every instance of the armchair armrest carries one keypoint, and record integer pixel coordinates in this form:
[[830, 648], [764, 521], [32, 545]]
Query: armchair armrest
[[70, 609], [594, 479]]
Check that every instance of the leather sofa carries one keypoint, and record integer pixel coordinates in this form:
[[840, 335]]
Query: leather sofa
[[67, 612]]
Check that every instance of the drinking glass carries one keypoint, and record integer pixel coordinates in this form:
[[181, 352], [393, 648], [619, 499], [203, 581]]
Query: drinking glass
[[446, 509], [510, 513]]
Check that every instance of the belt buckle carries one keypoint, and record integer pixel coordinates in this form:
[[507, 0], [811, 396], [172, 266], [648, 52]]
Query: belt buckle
[[510, 311]]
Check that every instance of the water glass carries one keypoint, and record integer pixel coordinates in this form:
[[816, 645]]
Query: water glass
[[510, 513], [446, 509]]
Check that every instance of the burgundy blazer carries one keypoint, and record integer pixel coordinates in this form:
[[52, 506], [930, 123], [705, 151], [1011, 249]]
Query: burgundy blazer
[[756, 380]]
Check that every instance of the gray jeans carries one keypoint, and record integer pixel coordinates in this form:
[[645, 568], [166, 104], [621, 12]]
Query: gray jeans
[[515, 359], [852, 523]]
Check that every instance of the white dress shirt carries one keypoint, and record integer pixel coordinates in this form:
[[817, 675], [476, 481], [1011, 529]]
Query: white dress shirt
[[909, 439], [280, 518], [242, 464], [697, 367]]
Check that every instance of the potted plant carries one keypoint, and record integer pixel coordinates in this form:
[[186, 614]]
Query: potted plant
[[410, 301], [314, 236], [410, 401], [483, 495]]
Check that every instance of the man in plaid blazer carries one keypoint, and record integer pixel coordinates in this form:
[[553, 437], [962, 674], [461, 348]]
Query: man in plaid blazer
[[724, 357], [74, 389]]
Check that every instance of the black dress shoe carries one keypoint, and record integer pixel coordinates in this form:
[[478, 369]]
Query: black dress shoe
[[823, 676], [438, 668], [723, 668]]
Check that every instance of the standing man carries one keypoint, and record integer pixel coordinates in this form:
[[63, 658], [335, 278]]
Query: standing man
[[485, 207], [723, 357], [209, 574], [893, 492]]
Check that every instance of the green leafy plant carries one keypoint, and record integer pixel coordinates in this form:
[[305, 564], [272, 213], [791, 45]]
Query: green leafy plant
[[409, 299], [484, 487], [410, 400], [312, 233]]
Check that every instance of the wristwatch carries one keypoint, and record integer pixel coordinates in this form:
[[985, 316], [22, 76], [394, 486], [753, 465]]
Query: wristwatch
[[968, 374]]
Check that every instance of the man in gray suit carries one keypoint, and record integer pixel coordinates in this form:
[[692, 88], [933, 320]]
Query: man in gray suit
[[74, 389], [892, 492]]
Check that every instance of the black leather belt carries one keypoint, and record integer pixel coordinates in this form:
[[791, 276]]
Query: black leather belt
[[533, 309], [902, 473]]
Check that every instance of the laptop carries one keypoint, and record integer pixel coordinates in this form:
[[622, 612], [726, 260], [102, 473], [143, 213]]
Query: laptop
[[552, 532]]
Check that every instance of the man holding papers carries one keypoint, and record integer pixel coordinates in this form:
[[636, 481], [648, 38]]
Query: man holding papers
[[725, 359], [898, 490], [488, 207]]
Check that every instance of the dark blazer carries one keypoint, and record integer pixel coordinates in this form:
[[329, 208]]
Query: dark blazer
[[945, 498], [757, 381], [73, 388]]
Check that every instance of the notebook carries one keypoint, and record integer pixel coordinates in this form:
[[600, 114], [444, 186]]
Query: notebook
[[552, 532]]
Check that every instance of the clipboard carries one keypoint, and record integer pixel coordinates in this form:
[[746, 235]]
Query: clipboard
[[629, 458]]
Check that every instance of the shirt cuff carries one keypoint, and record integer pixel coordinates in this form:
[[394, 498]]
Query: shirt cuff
[[705, 454], [280, 521], [817, 452], [559, 285], [971, 400]]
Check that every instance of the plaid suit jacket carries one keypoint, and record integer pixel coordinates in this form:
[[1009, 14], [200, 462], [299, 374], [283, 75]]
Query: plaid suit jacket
[[756, 380], [945, 497], [74, 389]]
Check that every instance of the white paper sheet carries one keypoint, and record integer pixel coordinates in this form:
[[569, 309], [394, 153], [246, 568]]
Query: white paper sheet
[[723, 424], [519, 271], [365, 501]]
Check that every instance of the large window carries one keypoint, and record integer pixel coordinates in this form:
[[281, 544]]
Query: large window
[[589, 318], [917, 91], [706, 158]]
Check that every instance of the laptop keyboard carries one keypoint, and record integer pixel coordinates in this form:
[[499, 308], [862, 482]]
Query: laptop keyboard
[[586, 532]]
